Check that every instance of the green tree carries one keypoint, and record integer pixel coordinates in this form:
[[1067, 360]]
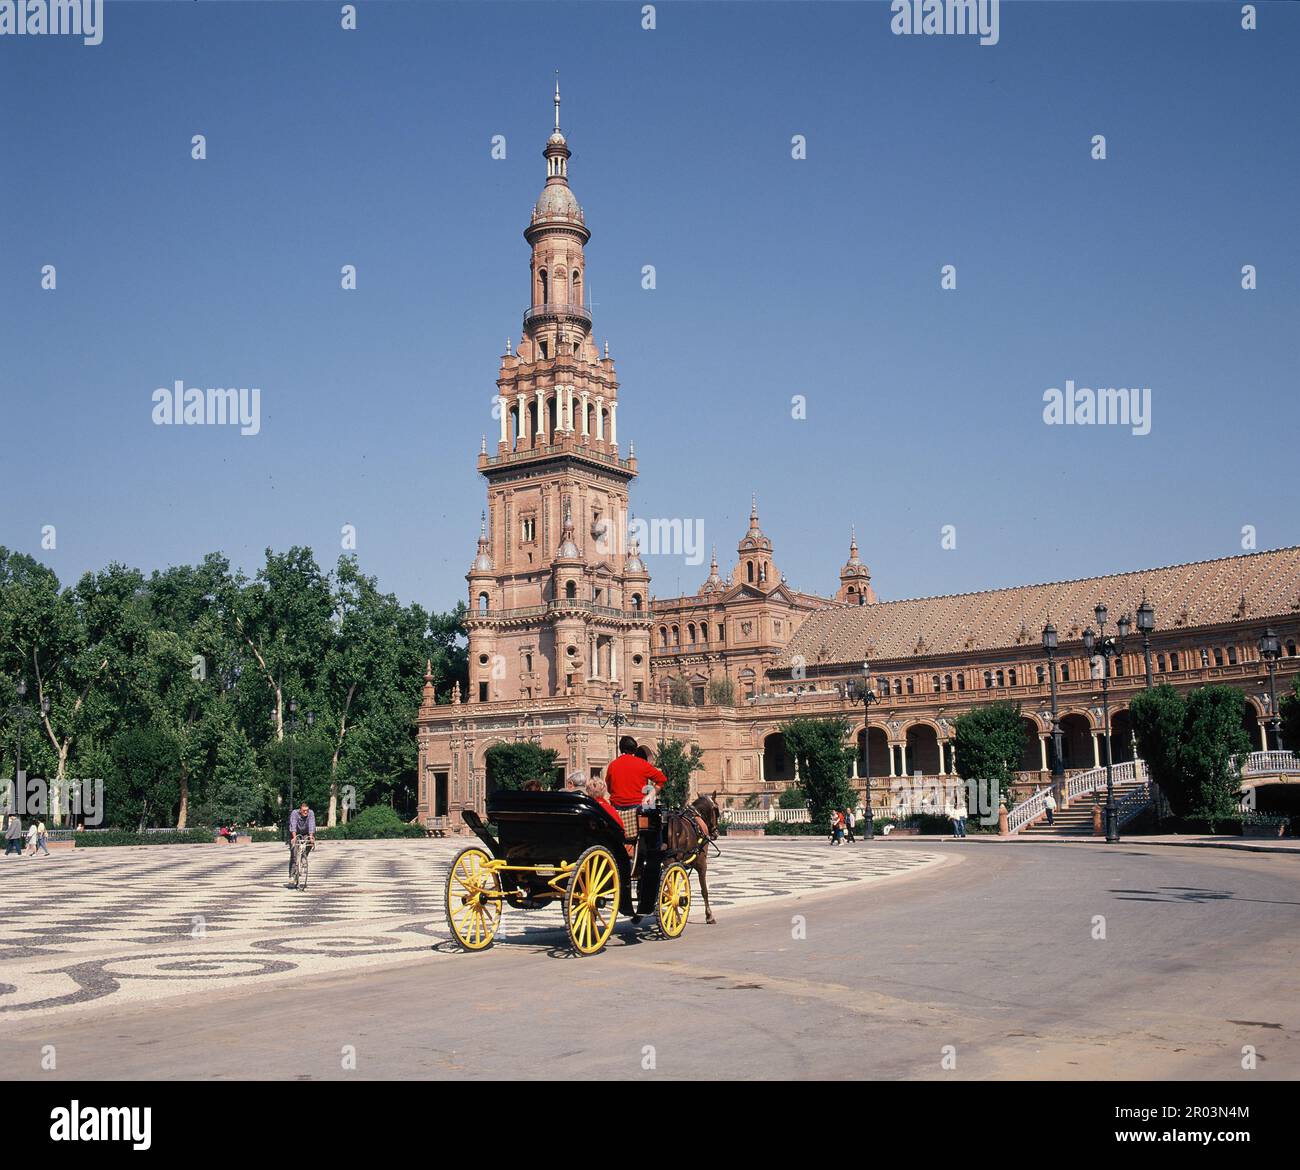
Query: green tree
[[235, 793], [817, 746], [989, 742], [1288, 705], [512, 765], [792, 797], [1188, 745], [141, 789], [722, 692], [679, 692], [678, 763]]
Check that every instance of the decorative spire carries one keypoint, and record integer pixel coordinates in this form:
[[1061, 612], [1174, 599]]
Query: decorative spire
[[482, 444], [428, 697], [607, 349], [557, 101], [509, 347], [853, 542]]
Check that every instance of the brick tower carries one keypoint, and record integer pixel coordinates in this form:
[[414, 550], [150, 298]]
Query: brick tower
[[559, 605]]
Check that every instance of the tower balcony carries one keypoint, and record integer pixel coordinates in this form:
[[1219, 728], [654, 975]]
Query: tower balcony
[[555, 311]]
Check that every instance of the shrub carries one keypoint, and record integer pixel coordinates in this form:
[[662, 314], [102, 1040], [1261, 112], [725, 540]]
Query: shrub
[[377, 821], [102, 837]]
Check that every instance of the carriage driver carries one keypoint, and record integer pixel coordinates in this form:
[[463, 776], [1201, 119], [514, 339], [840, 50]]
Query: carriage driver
[[626, 777]]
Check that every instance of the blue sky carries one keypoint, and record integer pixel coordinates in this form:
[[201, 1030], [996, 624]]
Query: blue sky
[[775, 277]]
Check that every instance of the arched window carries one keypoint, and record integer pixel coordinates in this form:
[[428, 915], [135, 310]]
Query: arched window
[[576, 285], [934, 682], [1001, 679], [1290, 649], [545, 285], [961, 682], [1173, 660], [1218, 656], [1013, 676], [482, 603], [1160, 663], [1041, 674], [677, 636], [1065, 672], [1232, 655], [690, 632], [911, 690], [947, 682], [898, 686], [663, 636], [636, 603], [749, 571], [571, 590], [988, 680]]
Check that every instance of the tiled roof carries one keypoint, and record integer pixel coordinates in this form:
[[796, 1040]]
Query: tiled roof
[[1204, 593]]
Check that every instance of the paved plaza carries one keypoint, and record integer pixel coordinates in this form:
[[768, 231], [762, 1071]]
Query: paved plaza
[[132, 924]]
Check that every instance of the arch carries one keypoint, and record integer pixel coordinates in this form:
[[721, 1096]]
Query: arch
[[1121, 732], [749, 571], [923, 749], [636, 603], [1076, 740], [570, 590], [1031, 757], [663, 637], [677, 636], [484, 603], [778, 765], [690, 633], [544, 286], [880, 765], [1251, 715], [576, 285]]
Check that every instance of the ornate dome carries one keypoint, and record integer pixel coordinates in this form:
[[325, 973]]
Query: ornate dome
[[483, 559], [557, 199]]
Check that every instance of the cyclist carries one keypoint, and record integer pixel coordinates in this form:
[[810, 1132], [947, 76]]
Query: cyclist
[[302, 822]]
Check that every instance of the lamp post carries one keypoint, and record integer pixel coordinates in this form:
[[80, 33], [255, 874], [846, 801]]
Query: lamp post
[[1107, 648], [1270, 650], [1058, 760], [867, 693], [20, 713], [292, 724], [1146, 622]]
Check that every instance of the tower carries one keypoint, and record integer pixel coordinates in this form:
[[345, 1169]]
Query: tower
[[557, 604], [755, 565], [855, 578]]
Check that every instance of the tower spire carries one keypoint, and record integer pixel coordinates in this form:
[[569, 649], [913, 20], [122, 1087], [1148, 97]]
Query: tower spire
[[557, 101]]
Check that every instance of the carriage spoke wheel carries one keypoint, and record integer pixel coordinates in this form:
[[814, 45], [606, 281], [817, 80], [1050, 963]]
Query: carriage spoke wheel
[[591, 903], [674, 905], [473, 913]]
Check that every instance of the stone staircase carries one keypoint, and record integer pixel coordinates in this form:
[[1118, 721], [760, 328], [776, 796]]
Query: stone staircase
[[1076, 821]]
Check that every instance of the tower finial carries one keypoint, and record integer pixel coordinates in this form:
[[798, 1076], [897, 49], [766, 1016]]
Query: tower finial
[[482, 525], [557, 99], [753, 507]]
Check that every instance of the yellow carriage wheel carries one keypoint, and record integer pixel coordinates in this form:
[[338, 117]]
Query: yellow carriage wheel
[[473, 899], [674, 905], [591, 902]]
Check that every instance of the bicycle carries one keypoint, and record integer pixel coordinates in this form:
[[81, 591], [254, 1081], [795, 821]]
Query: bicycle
[[301, 851]]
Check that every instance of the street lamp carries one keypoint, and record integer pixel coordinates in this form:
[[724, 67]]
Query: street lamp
[[1146, 622], [616, 719], [1107, 648], [866, 692], [1058, 761], [1270, 650]]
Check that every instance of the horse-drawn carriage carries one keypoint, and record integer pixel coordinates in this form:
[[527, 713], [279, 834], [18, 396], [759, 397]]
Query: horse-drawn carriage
[[563, 846]]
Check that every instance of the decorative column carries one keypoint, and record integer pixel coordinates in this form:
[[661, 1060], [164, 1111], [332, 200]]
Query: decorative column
[[541, 414], [942, 770], [613, 424], [1096, 749], [503, 404], [1263, 737], [613, 661], [585, 428], [522, 434], [600, 417], [1042, 749]]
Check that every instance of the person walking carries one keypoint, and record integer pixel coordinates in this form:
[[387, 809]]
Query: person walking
[[40, 838], [850, 823], [13, 835], [959, 808], [1050, 804]]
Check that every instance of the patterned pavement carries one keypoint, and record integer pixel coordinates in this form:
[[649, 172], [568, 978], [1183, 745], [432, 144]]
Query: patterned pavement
[[89, 925]]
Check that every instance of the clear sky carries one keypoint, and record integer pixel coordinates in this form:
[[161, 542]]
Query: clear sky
[[775, 277]]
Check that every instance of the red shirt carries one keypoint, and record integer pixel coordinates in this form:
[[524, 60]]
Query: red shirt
[[626, 777]]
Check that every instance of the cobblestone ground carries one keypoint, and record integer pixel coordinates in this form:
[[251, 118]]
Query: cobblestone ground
[[117, 925]]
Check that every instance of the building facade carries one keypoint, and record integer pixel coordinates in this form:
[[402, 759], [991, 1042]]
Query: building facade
[[564, 631]]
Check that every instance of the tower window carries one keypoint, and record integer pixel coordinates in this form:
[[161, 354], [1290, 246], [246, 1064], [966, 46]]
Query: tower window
[[529, 529], [482, 603], [571, 590]]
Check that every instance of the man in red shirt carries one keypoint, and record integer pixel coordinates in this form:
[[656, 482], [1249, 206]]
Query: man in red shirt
[[627, 776]]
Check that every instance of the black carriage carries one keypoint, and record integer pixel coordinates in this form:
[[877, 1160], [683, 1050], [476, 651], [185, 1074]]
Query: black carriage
[[550, 846]]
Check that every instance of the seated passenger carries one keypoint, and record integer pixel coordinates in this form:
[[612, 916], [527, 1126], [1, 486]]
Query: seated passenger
[[600, 794], [627, 776]]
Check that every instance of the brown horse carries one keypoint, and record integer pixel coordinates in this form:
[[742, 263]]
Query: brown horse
[[692, 830]]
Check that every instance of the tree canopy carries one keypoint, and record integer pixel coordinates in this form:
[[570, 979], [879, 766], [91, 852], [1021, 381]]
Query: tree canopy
[[823, 762], [178, 689]]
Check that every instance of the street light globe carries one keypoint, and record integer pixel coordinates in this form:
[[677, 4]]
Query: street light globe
[[1100, 614], [1146, 616], [1049, 637], [1089, 639]]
